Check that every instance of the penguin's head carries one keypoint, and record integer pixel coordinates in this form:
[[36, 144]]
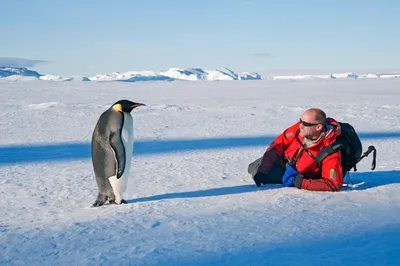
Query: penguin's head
[[125, 106]]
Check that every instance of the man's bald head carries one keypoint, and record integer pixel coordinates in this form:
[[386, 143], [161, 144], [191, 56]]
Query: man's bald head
[[318, 115]]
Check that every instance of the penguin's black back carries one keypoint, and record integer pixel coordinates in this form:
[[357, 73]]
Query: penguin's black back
[[103, 157]]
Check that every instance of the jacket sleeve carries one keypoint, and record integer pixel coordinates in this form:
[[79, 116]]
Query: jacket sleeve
[[331, 176], [275, 151], [282, 142]]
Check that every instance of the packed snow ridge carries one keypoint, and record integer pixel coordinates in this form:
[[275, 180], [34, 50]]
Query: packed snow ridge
[[21, 73], [146, 75], [337, 76], [177, 74], [189, 74]]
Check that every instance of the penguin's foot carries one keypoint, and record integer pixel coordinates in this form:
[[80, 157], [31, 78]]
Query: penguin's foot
[[97, 203], [101, 199], [121, 202], [111, 198]]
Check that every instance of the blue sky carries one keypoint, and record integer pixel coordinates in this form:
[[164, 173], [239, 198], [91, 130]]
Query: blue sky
[[93, 37]]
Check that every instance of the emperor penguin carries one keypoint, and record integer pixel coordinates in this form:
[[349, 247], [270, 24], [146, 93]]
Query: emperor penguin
[[112, 148]]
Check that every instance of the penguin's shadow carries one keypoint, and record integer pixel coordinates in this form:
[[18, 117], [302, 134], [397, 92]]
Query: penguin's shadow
[[212, 192]]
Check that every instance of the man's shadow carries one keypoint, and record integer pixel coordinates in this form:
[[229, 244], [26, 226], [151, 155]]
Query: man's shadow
[[367, 179]]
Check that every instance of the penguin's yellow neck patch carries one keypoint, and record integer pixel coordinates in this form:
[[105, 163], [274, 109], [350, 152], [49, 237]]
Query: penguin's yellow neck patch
[[117, 107]]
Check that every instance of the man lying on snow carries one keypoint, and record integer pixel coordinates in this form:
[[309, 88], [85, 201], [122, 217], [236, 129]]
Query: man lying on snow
[[290, 159]]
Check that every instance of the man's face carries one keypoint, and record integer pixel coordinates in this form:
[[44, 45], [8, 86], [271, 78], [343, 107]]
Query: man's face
[[308, 126]]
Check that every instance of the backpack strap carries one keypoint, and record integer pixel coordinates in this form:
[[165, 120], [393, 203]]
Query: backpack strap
[[303, 146], [322, 154], [370, 149], [326, 151]]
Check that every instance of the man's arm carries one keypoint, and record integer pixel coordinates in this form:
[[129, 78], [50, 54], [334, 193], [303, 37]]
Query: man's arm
[[281, 143], [331, 176], [275, 151]]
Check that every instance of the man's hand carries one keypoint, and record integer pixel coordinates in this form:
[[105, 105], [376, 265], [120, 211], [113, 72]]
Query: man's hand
[[259, 179], [289, 176]]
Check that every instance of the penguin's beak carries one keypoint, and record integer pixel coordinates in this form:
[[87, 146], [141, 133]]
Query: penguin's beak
[[137, 104]]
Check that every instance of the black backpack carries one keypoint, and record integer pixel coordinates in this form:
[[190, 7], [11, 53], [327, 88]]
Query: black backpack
[[349, 144]]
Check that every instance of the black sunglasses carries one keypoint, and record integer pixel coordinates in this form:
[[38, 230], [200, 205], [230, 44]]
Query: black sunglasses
[[306, 124]]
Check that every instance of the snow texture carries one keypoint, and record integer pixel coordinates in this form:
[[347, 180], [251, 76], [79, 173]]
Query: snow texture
[[190, 199]]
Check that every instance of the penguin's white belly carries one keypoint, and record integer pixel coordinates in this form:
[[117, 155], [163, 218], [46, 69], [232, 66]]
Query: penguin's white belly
[[119, 185]]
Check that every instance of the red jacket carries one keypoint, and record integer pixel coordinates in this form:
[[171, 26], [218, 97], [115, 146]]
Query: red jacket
[[287, 147]]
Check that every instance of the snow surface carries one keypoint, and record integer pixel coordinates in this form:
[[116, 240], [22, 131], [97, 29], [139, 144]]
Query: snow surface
[[190, 199]]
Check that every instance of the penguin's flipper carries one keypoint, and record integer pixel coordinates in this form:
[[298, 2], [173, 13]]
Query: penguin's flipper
[[119, 152]]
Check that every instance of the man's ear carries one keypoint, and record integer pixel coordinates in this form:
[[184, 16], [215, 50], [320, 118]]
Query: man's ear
[[320, 127]]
